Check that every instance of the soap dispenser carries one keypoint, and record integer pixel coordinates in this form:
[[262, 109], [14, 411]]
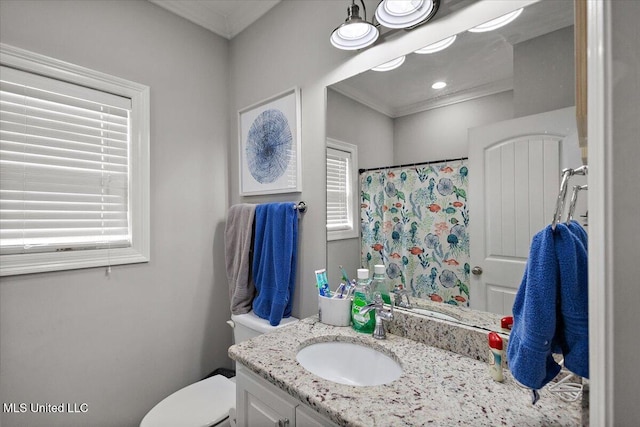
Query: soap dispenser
[[362, 296], [379, 283]]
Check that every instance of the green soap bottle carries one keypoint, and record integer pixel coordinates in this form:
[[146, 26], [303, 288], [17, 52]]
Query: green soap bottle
[[364, 323], [379, 283]]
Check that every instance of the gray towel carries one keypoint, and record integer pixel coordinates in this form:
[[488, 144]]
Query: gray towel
[[238, 238]]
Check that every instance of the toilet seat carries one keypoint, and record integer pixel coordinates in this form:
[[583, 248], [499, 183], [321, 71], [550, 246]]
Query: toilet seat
[[202, 404]]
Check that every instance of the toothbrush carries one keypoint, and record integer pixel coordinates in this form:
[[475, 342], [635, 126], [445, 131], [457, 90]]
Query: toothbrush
[[339, 293], [344, 275]]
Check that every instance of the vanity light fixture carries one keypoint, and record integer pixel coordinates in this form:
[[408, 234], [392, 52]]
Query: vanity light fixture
[[357, 33], [405, 13], [437, 46], [496, 23], [354, 33], [391, 65], [438, 85]]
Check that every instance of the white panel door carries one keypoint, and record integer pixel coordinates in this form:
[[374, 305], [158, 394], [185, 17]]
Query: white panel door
[[513, 186]]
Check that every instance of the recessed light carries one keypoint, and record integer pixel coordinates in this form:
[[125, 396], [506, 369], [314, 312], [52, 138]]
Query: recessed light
[[437, 46], [438, 85], [391, 65], [496, 23]]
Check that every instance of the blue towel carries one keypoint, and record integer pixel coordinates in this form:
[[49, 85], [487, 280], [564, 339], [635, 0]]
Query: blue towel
[[274, 260], [574, 302], [551, 310], [576, 228], [534, 316]]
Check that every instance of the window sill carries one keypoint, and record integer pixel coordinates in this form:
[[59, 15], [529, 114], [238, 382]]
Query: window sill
[[11, 265], [342, 234]]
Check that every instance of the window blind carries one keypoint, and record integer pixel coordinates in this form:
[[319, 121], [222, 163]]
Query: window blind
[[338, 189], [64, 157]]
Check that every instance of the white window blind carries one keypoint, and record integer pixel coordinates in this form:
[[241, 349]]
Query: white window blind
[[342, 166], [338, 191], [64, 156]]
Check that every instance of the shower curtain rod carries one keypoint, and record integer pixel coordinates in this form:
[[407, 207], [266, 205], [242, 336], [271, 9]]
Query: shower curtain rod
[[406, 165]]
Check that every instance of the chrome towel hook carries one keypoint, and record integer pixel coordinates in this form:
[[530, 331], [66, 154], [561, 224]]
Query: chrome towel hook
[[562, 194], [574, 199]]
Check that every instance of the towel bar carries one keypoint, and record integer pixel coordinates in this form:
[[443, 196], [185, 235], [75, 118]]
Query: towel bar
[[301, 207]]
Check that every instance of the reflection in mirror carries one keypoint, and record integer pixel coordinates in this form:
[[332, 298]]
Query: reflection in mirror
[[397, 118]]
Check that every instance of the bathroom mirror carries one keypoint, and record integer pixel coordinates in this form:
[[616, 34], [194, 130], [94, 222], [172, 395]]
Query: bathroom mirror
[[397, 118]]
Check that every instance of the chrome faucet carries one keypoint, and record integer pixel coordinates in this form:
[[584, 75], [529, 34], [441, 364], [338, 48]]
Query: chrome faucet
[[399, 293], [381, 314]]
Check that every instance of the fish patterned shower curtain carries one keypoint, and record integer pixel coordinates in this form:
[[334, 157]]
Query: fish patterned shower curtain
[[414, 220]]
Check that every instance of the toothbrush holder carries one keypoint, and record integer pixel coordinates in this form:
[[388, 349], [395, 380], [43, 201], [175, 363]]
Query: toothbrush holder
[[334, 311]]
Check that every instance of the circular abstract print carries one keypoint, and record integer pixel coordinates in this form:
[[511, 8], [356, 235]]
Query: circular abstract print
[[269, 146]]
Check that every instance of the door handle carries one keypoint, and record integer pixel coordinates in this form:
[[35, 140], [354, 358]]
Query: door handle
[[477, 270]]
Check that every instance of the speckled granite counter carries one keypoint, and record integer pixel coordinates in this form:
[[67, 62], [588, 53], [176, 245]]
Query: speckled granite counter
[[438, 387]]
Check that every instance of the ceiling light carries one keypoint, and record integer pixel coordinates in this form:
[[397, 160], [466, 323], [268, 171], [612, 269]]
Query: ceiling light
[[391, 65], [438, 85], [496, 23], [355, 32], [438, 46], [405, 13]]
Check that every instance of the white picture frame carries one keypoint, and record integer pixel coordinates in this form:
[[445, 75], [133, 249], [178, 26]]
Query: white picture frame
[[269, 137]]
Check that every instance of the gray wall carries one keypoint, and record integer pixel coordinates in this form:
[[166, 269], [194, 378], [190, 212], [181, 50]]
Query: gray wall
[[123, 343], [355, 123], [441, 133], [266, 60], [372, 132], [543, 73]]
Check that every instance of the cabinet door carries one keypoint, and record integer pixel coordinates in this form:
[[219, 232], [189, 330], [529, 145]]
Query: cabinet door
[[307, 417], [260, 404]]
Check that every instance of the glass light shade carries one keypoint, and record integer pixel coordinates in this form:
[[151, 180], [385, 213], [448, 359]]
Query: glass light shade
[[402, 7], [403, 13], [391, 65], [354, 35], [439, 85], [354, 31], [494, 24], [437, 46]]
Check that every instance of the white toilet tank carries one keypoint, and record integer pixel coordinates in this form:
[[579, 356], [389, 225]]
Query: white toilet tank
[[246, 326]]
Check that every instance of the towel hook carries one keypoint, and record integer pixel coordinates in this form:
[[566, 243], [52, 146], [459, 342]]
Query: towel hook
[[574, 199], [566, 174]]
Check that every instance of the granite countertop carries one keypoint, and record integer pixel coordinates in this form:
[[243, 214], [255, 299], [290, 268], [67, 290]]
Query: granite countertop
[[438, 387]]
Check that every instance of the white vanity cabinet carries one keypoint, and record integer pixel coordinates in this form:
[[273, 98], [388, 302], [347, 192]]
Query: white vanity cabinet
[[260, 403]]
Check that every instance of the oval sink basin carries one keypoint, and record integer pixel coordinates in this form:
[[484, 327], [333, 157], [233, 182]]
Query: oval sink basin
[[435, 314], [349, 363]]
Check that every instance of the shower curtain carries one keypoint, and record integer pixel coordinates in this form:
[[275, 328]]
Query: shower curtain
[[414, 221]]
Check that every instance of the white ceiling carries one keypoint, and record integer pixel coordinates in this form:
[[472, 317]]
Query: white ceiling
[[226, 18], [477, 64]]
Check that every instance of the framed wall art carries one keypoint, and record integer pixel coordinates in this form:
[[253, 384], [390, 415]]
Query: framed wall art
[[269, 136]]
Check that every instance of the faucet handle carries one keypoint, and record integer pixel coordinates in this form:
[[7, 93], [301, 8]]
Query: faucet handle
[[379, 305], [399, 292]]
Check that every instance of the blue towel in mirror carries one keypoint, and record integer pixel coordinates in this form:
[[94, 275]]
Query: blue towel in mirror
[[551, 309]]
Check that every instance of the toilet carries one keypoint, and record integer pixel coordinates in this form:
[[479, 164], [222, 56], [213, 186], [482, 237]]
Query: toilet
[[210, 402]]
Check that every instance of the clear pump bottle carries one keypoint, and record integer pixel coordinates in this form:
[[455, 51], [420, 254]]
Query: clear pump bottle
[[379, 283], [362, 296]]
